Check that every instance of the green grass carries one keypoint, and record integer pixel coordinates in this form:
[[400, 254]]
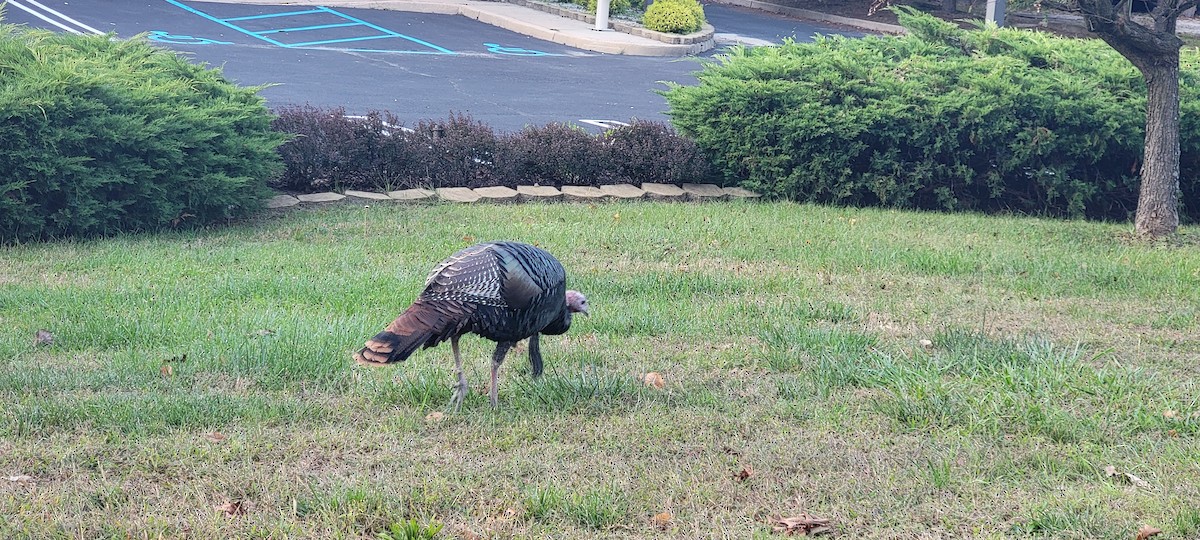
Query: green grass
[[789, 337]]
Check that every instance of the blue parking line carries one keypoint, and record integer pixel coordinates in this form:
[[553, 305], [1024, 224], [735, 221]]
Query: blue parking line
[[320, 9], [386, 31], [384, 51], [221, 22], [341, 40], [269, 15], [303, 28]]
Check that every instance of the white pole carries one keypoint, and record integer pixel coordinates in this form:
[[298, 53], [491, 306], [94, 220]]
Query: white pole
[[995, 11], [602, 15]]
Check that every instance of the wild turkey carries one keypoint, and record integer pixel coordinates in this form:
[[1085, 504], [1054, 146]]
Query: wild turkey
[[503, 291]]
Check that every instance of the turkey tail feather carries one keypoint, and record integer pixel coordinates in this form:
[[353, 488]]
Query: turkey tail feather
[[419, 325]]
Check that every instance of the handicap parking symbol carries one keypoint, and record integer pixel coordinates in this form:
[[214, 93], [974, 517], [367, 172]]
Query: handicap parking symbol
[[514, 51], [164, 37]]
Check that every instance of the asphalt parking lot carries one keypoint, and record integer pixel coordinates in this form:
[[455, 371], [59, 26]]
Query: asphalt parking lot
[[415, 65]]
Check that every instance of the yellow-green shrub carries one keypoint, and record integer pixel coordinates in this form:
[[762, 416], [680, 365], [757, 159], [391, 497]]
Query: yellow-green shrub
[[615, 7], [675, 16]]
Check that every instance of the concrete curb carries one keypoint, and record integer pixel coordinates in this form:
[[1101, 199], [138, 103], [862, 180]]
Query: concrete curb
[[505, 195]]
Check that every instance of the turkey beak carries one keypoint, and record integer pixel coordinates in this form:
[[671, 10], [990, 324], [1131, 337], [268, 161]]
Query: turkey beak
[[584, 311]]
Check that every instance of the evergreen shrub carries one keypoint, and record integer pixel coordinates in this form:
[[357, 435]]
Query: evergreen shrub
[[99, 136], [942, 118]]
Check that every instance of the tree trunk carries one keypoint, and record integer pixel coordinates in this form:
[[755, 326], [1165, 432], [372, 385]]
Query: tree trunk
[[1158, 199], [1154, 51]]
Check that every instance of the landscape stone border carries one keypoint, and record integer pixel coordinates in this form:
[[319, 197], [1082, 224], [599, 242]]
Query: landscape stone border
[[500, 194]]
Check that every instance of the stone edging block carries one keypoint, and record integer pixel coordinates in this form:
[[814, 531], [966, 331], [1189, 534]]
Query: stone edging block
[[583, 193], [457, 194], [705, 192], [538, 193], [327, 196], [622, 191], [664, 192], [412, 195], [367, 195], [499, 194]]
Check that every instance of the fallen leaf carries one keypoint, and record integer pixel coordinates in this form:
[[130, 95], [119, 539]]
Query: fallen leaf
[[925, 343], [215, 436], [1147, 531], [745, 473], [435, 416], [1171, 413], [654, 379], [617, 216], [1112, 472], [468, 238], [166, 371], [43, 337], [21, 479], [1137, 481], [662, 520], [262, 332], [233, 508], [802, 525], [466, 534]]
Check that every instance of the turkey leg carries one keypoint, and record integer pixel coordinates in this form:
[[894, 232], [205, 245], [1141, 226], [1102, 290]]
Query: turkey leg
[[460, 389], [535, 356], [497, 359]]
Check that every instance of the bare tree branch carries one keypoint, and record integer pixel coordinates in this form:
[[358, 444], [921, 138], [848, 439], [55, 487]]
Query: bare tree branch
[[1182, 7]]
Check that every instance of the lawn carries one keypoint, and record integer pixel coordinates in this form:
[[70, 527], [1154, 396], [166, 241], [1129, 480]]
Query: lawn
[[904, 375]]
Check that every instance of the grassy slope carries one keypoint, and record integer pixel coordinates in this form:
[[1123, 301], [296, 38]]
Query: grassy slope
[[788, 337]]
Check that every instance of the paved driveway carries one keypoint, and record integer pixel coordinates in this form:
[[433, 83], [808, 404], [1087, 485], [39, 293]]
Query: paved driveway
[[416, 65]]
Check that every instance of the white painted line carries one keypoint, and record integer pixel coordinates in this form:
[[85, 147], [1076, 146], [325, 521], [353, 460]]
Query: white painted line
[[66, 18], [604, 124], [385, 124], [42, 17], [48, 19]]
